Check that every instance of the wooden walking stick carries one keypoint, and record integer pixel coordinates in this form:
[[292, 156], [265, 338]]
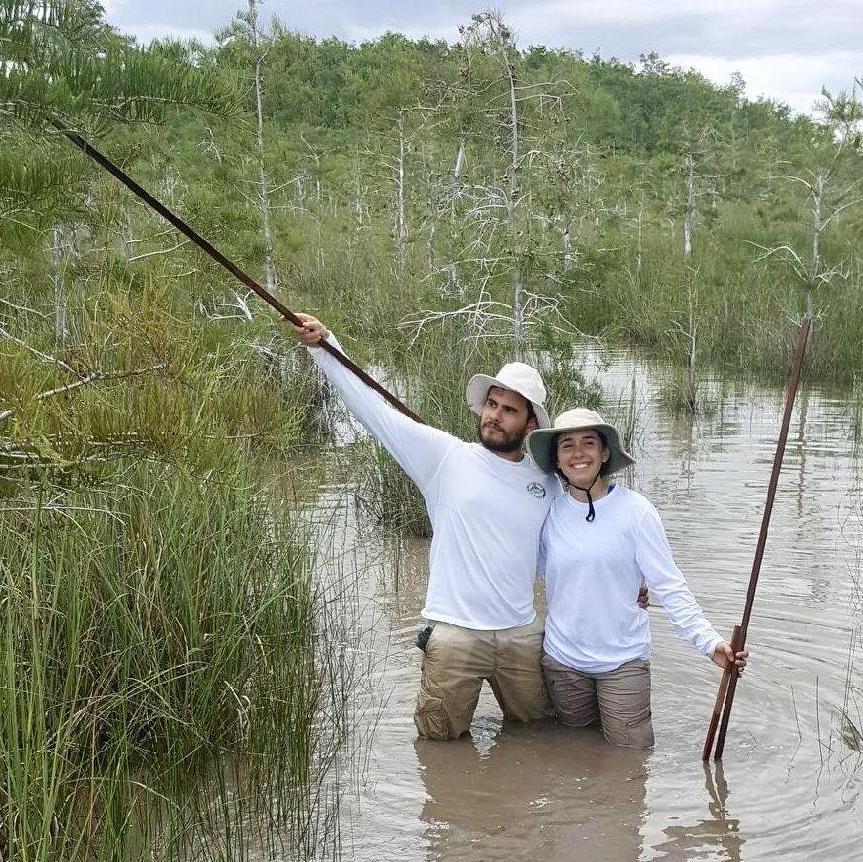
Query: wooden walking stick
[[728, 684], [213, 252]]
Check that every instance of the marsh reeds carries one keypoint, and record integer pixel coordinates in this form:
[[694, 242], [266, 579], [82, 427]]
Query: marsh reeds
[[849, 715], [161, 670], [148, 632], [167, 688], [855, 411]]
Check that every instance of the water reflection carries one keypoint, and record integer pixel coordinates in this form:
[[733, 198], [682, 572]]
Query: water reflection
[[535, 792], [715, 837], [553, 793]]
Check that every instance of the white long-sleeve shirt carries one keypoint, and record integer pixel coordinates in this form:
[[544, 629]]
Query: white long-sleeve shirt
[[593, 572], [486, 512]]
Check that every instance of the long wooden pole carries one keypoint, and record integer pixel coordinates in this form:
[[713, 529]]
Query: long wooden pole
[[728, 684], [220, 258], [719, 703]]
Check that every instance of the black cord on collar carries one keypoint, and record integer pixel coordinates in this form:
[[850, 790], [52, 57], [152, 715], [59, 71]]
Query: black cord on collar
[[591, 511]]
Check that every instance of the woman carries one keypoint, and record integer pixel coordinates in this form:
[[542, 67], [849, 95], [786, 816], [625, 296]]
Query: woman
[[599, 544]]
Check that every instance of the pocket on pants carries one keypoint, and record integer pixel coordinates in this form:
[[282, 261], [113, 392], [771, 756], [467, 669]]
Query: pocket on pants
[[430, 716], [639, 730], [640, 717]]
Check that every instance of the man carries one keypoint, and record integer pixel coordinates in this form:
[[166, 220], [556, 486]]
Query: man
[[487, 504]]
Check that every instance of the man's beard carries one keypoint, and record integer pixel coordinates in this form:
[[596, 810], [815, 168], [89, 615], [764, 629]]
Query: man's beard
[[505, 444]]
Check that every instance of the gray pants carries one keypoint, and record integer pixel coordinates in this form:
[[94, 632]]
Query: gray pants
[[456, 662], [619, 699]]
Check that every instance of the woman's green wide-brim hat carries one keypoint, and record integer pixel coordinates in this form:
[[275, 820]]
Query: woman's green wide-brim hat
[[540, 442]]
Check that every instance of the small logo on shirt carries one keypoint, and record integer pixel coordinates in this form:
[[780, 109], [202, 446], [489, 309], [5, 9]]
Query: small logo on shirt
[[536, 490]]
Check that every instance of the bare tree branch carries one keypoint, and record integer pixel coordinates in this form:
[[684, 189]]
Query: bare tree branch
[[52, 360], [95, 377], [179, 245]]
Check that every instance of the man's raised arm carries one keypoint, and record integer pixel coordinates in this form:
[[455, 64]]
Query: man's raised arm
[[418, 448]]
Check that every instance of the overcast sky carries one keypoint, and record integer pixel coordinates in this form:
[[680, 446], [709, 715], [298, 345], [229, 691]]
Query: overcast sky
[[785, 49]]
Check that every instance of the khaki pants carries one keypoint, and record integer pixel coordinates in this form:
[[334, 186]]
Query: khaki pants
[[456, 662], [619, 699]]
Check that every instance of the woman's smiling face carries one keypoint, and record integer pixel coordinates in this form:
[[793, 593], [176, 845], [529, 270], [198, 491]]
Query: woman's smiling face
[[580, 455]]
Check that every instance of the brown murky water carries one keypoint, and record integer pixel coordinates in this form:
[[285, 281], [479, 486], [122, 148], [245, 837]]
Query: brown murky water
[[791, 780]]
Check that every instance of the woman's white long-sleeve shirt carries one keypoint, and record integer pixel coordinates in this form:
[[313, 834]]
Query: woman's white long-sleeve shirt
[[593, 572], [486, 512]]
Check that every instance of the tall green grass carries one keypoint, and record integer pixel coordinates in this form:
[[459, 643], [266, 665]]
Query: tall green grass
[[161, 679]]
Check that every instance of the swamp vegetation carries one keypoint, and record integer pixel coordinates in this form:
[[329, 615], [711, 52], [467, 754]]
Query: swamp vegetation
[[173, 675]]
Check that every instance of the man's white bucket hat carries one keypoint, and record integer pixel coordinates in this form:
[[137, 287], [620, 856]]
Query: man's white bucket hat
[[539, 443], [517, 377]]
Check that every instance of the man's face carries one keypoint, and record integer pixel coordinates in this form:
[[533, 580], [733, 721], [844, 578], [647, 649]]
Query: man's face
[[504, 422]]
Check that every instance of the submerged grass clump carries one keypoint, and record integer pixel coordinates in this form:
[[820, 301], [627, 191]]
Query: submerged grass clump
[[848, 717], [156, 634], [855, 410], [434, 377], [386, 495]]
